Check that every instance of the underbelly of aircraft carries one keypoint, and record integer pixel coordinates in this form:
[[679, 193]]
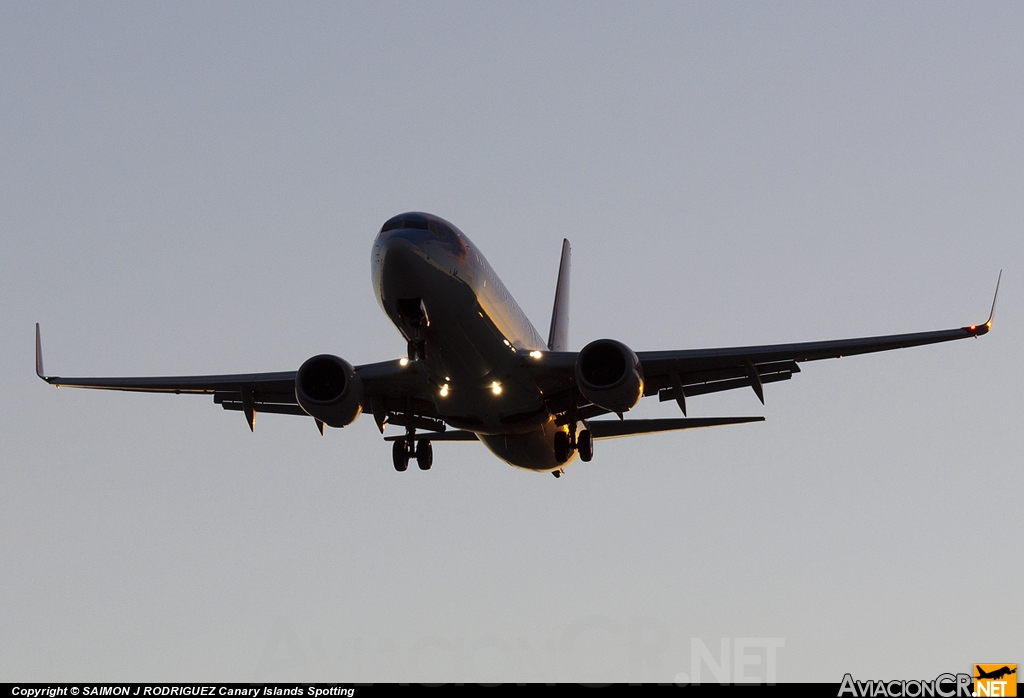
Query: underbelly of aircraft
[[531, 450]]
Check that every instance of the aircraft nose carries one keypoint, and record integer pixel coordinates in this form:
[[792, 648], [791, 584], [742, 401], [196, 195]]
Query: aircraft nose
[[397, 261], [397, 247]]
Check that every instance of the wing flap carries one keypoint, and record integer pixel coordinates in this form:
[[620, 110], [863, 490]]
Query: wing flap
[[272, 408], [691, 389]]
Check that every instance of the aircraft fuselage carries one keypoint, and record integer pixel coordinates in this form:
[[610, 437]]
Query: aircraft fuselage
[[442, 295]]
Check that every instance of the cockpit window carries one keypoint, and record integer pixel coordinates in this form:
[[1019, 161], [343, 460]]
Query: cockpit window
[[399, 223], [437, 229]]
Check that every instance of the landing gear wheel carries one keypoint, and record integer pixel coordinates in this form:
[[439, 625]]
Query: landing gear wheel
[[585, 445], [563, 449], [400, 456], [424, 455]]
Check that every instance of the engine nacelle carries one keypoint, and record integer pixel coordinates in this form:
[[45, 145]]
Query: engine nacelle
[[329, 389], [609, 374]]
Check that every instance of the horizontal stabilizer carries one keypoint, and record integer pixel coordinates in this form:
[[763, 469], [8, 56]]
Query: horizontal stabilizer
[[609, 429]]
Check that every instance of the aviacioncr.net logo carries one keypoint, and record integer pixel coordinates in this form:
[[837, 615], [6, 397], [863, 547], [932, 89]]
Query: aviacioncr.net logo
[[943, 686]]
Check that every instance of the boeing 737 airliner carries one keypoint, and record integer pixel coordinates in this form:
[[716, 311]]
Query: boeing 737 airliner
[[476, 364]]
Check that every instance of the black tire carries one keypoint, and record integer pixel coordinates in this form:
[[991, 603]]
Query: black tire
[[585, 445], [424, 455], [400, 456], [563, 450]]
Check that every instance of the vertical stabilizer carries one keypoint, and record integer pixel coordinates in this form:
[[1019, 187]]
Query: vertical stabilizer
[[558, 337]]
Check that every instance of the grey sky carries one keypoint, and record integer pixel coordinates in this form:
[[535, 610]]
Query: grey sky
[[193, 188]]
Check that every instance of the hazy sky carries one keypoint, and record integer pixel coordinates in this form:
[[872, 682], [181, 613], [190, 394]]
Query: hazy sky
[[194, 188]]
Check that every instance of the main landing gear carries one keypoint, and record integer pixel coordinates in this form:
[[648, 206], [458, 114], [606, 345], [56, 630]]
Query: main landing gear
[[403, 451], [567, 442], [585, 445]]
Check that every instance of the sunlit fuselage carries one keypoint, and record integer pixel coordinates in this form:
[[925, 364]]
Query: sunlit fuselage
[[476, 336]]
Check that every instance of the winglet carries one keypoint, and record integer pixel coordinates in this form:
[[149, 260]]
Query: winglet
[[558, 337], [978, 330], [995, 297], [39, 355]]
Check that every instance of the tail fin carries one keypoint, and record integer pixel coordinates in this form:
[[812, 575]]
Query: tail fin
[[558, 337]]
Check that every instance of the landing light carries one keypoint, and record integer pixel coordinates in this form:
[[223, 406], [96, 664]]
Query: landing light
[[535, 354], [444, 390], [496, 388], [403, 361]]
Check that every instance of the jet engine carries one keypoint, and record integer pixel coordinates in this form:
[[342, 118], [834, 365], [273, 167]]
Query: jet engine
[[609, 374], [329, 389]]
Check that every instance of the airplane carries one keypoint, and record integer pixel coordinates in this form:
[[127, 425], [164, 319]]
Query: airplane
[[475, 363], [996, 674]]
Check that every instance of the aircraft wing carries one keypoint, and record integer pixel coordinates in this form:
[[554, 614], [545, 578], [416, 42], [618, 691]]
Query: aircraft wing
[[387, 385], [701, 371], [676, 375], [273, 392]]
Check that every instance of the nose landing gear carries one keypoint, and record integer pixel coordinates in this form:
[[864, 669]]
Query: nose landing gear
[[414, 316], [417, 349]]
